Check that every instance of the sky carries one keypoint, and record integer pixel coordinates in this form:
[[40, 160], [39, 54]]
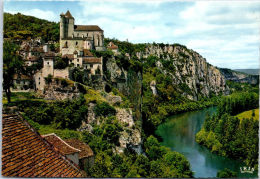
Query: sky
[[226, 33]]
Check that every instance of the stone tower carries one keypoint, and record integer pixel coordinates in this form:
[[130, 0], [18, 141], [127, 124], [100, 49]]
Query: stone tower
[[66, 25]]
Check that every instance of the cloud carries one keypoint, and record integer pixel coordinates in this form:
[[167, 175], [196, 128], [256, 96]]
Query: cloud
[[222, 32], [48, 15]]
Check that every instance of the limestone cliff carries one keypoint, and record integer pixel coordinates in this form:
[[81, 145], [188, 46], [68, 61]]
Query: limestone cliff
[[190, 71]]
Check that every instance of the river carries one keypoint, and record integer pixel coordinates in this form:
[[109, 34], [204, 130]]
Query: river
[[178, 133]]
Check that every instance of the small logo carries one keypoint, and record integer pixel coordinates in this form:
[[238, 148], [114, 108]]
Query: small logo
[[247, 170]]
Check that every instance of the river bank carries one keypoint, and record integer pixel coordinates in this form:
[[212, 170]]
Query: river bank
[[179, 132]]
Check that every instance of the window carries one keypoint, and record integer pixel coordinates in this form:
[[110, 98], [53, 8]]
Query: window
[[39, 82], [77, 65], [91, 65], [39, 78], [76, 43], [77, 60], [48, 63], [78, 34]]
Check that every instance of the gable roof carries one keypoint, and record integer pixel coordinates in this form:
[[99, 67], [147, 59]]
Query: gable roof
[[87, 28], [85, 150], [68, 15], [26, 154], [60, 144]]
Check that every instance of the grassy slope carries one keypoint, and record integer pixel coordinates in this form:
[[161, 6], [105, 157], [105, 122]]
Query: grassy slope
[[248, 114]]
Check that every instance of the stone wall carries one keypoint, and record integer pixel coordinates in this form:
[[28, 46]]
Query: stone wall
[[62, 73]]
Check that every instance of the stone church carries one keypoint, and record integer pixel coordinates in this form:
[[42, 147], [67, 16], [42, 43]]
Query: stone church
[[78, 37]]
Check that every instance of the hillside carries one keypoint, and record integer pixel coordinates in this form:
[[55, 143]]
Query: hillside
[[240, 77], [22, 27], [249, 71]]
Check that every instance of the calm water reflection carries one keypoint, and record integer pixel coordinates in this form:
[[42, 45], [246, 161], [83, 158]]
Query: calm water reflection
[[179, 134]]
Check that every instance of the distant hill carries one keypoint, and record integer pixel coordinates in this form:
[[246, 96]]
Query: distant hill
[[22, 27], [249, 71], [238, 76]]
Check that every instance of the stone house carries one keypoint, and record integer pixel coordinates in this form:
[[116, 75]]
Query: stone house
[[63, 147], [22, 83], [85, 59], [86, 155], [112, 47], [30, 60], [48, 69], [78, 37]]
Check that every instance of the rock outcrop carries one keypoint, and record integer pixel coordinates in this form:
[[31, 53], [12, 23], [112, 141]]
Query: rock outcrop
[[190, 71], [56, 91]]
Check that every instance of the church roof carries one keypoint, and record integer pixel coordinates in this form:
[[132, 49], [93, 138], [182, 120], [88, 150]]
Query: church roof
[[26, 154], [85, 150], [68, 15], [87, 28]]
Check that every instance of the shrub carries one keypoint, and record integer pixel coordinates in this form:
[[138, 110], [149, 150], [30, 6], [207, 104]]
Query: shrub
[[104, 109]]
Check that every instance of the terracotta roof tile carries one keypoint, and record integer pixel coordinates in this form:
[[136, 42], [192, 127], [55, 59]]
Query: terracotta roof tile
[[111, 45], [87, 28], [85, 150], [92, 60], [60, 144], [26, 154]]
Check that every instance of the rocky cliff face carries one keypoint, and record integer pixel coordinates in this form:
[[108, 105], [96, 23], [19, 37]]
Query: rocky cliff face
[[239, 76], [57, 91], [189, 70]]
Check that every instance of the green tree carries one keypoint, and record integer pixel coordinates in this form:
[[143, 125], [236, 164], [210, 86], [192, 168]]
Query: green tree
[[13, 64], [226, 173]]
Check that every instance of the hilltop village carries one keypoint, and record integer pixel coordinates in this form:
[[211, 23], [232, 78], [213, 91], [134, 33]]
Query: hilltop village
[[75, 45]]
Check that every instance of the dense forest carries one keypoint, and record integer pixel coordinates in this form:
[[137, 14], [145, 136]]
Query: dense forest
[[22, 27], [227, 135]]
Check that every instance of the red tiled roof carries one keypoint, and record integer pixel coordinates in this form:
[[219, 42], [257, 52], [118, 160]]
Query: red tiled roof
[[87, 53], [111, 45], [60, 144], [68, 56], [91, 60], [87, 28], [26, 154], [85, 150]]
